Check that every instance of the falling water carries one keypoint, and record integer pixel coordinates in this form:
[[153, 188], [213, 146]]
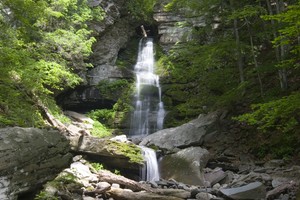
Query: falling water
[[149, 112], [150, 171]]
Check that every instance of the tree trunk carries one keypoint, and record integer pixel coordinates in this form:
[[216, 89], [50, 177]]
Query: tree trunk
[[238, 51], [110, 177], [117, 193], [279, 51], [255, 61]]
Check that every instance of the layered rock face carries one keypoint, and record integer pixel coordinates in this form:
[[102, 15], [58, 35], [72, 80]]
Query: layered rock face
[[174, 27], [112, 35], [29, 157]]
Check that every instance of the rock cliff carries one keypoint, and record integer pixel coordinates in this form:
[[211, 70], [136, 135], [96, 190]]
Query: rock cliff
[[112, 34]]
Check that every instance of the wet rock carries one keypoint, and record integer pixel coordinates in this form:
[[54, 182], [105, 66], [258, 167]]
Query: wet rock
[[255, 190]]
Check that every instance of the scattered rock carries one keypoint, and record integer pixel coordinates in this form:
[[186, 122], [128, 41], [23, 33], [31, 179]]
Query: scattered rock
[[214, 176], [255, 190], [283, 188], [204, 196]]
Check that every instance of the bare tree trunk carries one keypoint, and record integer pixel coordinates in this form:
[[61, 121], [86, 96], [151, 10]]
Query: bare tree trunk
[[110, 177], [256, 66], [279, 51], [144, 31], [127, 195], [238, 51]]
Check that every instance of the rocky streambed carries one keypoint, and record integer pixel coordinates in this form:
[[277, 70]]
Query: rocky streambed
[[82, 181], [198, 160]]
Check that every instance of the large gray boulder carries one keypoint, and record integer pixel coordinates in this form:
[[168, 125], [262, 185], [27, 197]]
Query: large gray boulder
[[112, 153], [189, 134], [28, 158], [185, 166]]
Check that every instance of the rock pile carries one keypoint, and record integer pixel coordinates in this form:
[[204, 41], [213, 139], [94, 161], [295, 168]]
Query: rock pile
[[81, 181]]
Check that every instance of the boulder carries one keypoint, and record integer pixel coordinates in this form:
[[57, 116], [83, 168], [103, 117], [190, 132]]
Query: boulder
[[214, 176], [30, 157], [111, 153], [189, 134], [185, 166], [255, 190]]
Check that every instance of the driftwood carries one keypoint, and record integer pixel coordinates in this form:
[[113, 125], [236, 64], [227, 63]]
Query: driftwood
[[139, 190], [144, 31], [119, 194], [110, 177], [97, 191], [50, 118]]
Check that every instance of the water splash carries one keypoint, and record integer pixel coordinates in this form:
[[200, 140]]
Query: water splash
[[150, 171]]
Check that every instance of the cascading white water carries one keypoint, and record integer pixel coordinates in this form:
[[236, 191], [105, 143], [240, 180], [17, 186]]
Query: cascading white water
[[150, 171], [149, 112]]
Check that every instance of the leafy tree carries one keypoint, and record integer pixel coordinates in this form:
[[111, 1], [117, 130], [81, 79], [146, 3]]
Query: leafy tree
[[42, 44], [141, 9]]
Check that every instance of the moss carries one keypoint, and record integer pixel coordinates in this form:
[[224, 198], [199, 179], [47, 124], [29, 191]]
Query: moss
[[63, 182], [112, 89], [131, 151]]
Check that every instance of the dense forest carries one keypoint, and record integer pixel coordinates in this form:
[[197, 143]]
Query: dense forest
[[244, 59]]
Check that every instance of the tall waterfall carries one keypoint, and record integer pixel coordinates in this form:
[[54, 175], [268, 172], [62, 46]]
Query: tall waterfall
[[149, 112]]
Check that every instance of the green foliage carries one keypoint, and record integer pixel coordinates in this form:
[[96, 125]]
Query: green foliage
[[42, 44], [105, 116], [281, 114], [65, 181], [199, 83], [45, 196], [97, 166], [112, 89], [99, 130], [127, 57], [117, 172], [141, 9], [288, 33]]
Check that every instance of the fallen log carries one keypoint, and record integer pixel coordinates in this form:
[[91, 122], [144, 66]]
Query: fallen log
[[110, 177], [144, 31], [120, 194], [179, 193]]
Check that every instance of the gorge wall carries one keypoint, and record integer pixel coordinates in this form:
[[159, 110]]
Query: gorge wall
[[115, 53]]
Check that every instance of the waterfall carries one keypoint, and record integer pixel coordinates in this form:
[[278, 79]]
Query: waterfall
[[149, 113], [150, 171]]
